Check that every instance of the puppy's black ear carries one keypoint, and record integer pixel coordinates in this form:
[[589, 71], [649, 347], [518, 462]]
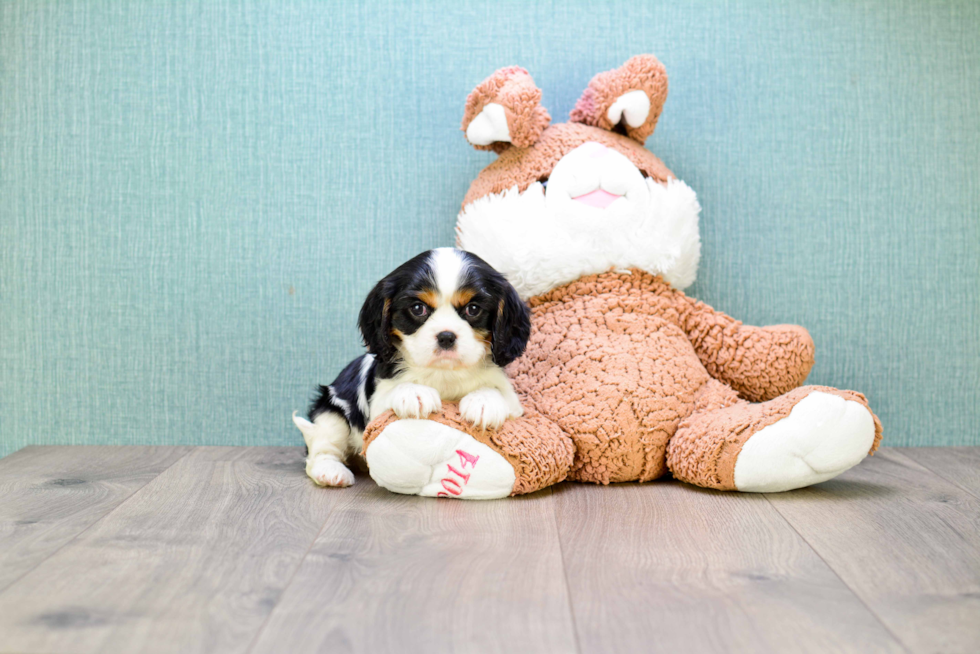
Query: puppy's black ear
[[374, 321], [511, 327]]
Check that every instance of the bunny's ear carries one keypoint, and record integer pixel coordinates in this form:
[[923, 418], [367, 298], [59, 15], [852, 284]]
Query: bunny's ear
[[504, 110], [628, 99]]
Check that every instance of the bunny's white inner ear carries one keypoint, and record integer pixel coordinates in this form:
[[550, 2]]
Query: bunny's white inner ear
[[490, 125], [634, 105]]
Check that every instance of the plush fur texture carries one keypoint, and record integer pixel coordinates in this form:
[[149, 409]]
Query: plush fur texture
[[537, 449], [513, 91], [622, 369], [709, 442], [521, 167], [647, 349], [658, 234], [641, 73], [619, 362]]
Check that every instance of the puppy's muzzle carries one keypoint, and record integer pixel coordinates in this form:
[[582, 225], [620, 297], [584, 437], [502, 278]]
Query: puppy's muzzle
[[446, 340]]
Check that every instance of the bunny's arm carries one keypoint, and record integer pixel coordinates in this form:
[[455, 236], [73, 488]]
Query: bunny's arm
[[759, 363]]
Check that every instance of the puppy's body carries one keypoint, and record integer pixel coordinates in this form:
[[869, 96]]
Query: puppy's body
[[440, 327]]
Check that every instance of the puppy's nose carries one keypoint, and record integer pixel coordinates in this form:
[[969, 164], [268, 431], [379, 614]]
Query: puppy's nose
[[446, 340]]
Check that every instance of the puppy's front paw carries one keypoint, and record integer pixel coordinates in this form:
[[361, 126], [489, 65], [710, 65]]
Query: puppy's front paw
[[415, 401], [329, 472], [485, 408]]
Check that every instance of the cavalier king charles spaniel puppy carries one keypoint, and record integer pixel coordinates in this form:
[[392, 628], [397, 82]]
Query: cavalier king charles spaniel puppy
[[441, 326]]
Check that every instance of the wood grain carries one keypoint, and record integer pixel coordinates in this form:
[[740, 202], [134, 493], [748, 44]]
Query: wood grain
[[672, 568], [233, 549], [958, 465], [906, 541], [51, 494], [391, 573], [193, 563]]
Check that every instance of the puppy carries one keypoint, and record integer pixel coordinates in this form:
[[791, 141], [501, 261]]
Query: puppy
[[442, 326]]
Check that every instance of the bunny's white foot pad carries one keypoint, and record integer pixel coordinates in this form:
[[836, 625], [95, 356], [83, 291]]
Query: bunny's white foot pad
[[422, 457], [823, 436]]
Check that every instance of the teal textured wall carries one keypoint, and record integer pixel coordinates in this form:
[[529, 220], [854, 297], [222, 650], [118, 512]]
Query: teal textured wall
[[196, 196]]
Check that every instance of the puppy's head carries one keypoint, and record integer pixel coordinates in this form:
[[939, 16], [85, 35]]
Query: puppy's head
[[446, 309]]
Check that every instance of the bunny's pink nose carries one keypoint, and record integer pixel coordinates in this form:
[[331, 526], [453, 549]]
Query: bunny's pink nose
[[599, 198]]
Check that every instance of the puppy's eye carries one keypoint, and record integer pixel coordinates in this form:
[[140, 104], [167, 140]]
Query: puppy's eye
[[419, 309], [473, 310]]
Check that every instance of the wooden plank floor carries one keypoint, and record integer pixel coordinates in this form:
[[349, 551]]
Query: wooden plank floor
[[156, 549]]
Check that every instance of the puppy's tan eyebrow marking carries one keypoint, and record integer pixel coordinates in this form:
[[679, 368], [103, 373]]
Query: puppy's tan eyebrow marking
[[462, 297], [429, 297]]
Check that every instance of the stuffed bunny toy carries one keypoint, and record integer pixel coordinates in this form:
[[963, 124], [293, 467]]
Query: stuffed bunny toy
[[624, 378]]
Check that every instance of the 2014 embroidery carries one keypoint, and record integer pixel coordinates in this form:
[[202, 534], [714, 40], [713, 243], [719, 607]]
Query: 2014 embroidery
[[452, 486]]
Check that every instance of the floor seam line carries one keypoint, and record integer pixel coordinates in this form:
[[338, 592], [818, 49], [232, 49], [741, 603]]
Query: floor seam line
[[289, 583], [100, 519], [938, 474], [878, 618], [564, 571]]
